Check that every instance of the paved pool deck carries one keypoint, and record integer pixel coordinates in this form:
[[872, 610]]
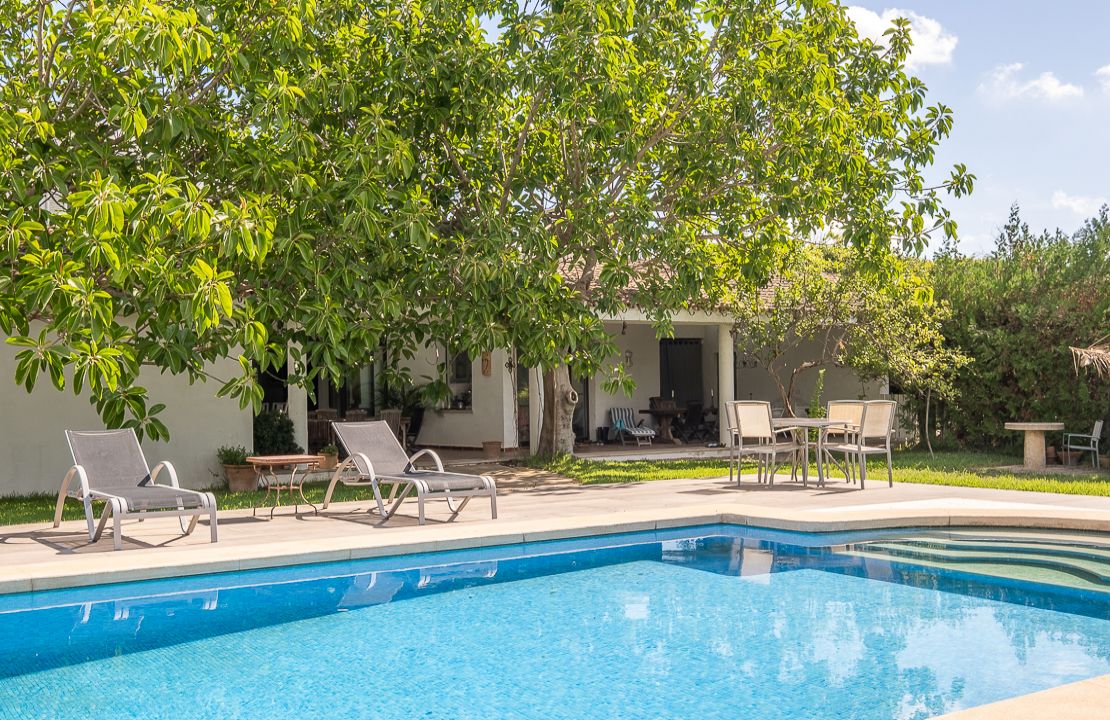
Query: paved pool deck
[[532, 507]]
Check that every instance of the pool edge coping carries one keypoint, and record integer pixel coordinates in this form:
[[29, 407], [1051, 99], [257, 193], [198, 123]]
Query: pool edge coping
[[43, 576]]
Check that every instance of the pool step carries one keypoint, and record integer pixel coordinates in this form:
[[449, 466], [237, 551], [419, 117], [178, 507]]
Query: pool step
[[1093, 553], [1074, 566]]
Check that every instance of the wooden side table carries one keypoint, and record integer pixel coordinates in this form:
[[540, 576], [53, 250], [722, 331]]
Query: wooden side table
[[268, 468]]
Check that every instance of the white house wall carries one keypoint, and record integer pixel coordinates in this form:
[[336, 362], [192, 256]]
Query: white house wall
[[492, 415], [752, 382], [34, 456]]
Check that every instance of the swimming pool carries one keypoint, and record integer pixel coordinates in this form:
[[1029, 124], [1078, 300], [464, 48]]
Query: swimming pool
[[708, 622]]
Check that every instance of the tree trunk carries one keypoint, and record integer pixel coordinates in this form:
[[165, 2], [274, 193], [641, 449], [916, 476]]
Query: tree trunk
[[928, 429], [557, 416]]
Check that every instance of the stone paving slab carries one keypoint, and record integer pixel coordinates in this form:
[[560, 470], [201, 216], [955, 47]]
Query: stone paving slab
[[1083, 700]]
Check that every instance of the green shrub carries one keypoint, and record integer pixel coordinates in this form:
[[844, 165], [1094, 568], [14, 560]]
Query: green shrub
[[232, 455], [1015, 312], [273, 434]]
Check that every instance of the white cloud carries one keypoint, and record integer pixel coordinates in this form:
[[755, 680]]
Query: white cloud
[[932, 45], [1084, 205], [1103, 75], [1005, 83]]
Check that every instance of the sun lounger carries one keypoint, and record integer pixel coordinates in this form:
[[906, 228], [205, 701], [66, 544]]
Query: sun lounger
[[376, 458], [109, 465]]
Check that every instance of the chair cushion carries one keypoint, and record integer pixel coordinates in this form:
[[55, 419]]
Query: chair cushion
[[439, 482], [153, 497]]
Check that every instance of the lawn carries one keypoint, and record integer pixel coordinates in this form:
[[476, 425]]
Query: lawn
[[40, 508], [960, 469]]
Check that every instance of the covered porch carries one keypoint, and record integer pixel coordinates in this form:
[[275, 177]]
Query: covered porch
[[700, 367]]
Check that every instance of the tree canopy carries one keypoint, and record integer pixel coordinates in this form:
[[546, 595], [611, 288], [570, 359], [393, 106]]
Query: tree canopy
[[826, 303], [271, 179], [1015, 313]]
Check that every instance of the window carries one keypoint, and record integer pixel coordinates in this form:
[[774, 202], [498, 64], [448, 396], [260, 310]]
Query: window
[[459, 374]]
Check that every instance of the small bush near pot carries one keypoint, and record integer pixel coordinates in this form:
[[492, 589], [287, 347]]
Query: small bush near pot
[[273, 434], [230, 455], [240, 476], [330, 454]]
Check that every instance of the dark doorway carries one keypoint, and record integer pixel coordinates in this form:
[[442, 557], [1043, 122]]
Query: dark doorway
[[680, 372], [581, 419], [275, 388], [523, 419]]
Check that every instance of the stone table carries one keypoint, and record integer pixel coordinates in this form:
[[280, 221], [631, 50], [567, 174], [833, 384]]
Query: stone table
[[1034, 440]]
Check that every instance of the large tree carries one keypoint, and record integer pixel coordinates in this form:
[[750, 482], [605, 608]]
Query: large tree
[[825, 307], [183, 184], [660, 154]]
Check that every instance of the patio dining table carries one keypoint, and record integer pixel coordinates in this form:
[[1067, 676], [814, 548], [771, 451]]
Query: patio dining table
[[665, 417], [823, 426]]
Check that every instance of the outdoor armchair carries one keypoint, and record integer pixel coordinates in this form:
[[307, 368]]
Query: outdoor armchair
[[1077, 442], [376, 457], [873, 437], [109, 465], [850, 414], [754, 433]]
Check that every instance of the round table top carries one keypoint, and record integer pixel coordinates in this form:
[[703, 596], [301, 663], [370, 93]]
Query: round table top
[[811, 422], [277, 460], [1034, 426]]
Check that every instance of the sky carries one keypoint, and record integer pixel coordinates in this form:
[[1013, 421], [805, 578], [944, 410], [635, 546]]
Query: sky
[[1029, 85]]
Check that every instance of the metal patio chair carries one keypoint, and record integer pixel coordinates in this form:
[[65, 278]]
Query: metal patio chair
[[752, 421], [849, 412], [110, 466], [873, 437], [692, 424], [375, 457], [1077, 442]]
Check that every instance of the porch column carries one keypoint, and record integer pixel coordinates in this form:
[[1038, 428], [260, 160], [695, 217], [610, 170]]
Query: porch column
[[726, 377], [535, 408]]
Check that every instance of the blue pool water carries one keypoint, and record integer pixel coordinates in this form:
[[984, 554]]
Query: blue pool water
[[707, 623]]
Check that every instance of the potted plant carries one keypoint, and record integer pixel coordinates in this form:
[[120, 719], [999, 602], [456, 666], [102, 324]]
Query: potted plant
[[491, 449], [330, 453], [240, 475]]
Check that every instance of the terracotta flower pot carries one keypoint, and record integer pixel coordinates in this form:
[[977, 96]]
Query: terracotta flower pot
[[492, 449], [1070, 457], [241, 478], [331, 460]]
